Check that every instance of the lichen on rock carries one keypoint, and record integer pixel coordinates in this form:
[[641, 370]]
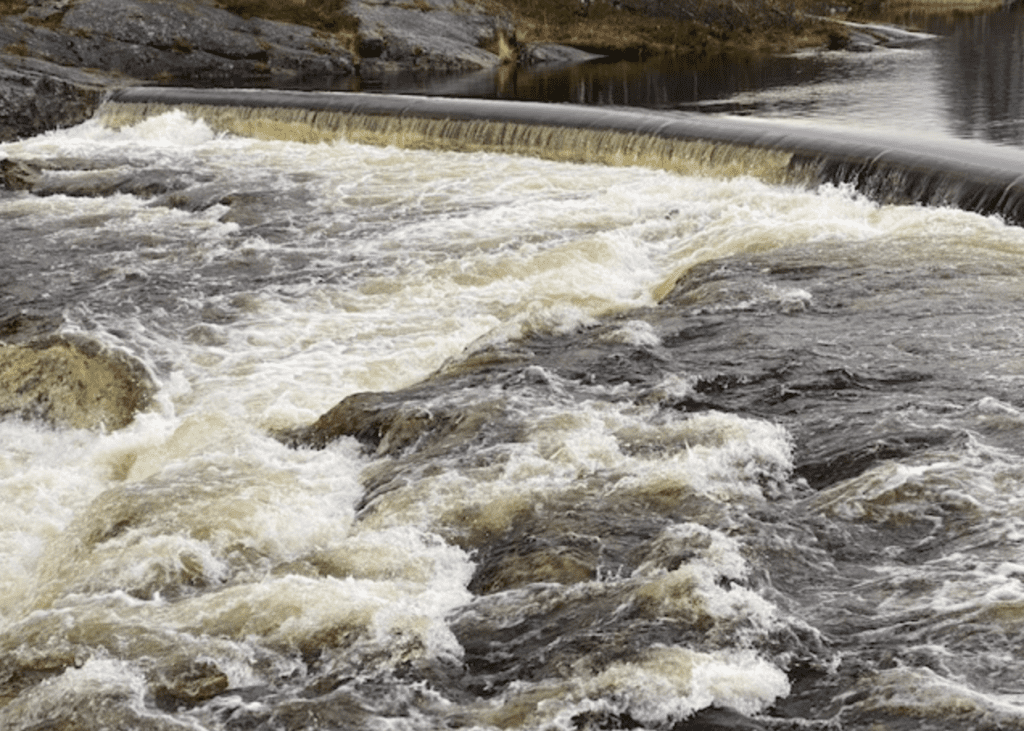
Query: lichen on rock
[[72, 382]]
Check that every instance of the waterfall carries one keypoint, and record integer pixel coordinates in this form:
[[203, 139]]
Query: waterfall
[[887, 167]]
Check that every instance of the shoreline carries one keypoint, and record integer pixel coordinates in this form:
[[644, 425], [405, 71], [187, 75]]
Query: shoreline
[[60, 58]]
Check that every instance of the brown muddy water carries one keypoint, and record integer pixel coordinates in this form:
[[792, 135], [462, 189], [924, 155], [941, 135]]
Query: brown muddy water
[[473, 440]]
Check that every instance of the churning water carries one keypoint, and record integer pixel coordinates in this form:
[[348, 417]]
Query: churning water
[[471, 440]]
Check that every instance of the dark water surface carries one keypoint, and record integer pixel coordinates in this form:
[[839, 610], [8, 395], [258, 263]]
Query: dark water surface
[[481, 441], [967, 81]]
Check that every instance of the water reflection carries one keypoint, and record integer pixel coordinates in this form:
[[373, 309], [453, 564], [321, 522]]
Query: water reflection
[[982, 77], [966, 82], [659, 82]]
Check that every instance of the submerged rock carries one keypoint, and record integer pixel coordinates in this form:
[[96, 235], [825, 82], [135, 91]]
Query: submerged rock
[[706, 719], [102, 183], [72, 383], [553, 53], [188, 683], [867, 37], [393, 423], [17, 175]]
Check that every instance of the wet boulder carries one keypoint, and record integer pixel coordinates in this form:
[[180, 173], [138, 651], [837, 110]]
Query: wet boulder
[[107, 182], [395, 423], [188, 683], [18, 175], [37, 95], [74, 383], [553, 53]]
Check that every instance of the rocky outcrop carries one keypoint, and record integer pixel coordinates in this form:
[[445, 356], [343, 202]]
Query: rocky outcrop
[[425, 34], [553, 54], [72, 383], [58, 57], [172, 41], [37, 95], [84, 179], [866, 37]]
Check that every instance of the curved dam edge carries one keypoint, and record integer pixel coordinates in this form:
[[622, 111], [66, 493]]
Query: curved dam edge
[[888, 167]]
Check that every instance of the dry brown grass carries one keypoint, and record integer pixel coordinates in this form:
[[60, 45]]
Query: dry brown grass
[[328, 16], [11, 7], [421, 5], [16, 49], [912, 12], [705, 26]]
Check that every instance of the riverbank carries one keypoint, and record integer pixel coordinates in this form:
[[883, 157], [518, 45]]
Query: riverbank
[[59, 57]]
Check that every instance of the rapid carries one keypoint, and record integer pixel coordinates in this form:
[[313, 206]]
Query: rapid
[[449, 439]]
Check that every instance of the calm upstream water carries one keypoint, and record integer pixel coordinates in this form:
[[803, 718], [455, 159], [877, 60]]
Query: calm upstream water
[[619, 448], [966, 80]]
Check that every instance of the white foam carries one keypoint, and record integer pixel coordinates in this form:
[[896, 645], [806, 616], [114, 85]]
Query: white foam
[[712, 549], [326, 613], [668, 684], [46, 477], [921, 693], [408, 260], [166, 131], [636, 449], [203, 514], [103, 692], [637, 333]]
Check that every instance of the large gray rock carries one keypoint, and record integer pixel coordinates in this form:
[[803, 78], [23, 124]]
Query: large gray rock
[[36, 96], [436, 35], [862, 37], [44, 54], [45, 51], [171, 41], [553, 53], [161, 39]]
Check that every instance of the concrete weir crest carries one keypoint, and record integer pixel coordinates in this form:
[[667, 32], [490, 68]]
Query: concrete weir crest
[[888, 167]]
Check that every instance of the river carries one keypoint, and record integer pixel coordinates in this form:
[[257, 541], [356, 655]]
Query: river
[[965, 81], [617, 447]]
